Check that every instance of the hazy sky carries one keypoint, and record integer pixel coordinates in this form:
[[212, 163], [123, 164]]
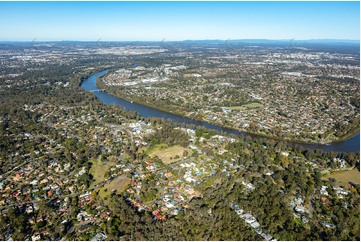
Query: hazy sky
[[178, 20]]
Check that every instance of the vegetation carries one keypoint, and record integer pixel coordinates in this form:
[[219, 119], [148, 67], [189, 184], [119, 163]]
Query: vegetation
[[247, 106], [345, 177], [117, 186], [70, 169], [170, 154], [166, 134], [99, 168]]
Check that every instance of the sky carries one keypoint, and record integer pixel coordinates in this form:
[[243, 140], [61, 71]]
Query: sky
[[155, 21]]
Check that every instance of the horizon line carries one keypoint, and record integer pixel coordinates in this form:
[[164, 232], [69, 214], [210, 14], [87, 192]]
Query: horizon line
[[183, 40]]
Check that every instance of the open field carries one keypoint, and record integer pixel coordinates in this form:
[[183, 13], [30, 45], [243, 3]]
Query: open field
[[99, 169], [166, 153], [119, 184], [246, 106], [191, 75], [344, 177]]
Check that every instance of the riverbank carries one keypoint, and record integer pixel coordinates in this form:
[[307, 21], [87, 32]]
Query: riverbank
[[349, 145], [348, 136], [244, 132]]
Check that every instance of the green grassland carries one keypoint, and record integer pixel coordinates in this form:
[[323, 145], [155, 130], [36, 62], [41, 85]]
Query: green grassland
[[168, 154], [344, 177], [246, 106], [118, 185], [99, 168]]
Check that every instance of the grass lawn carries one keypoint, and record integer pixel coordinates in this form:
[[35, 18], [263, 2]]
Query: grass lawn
[[247, 106], [119, 184], [99, 169], [155, 148], [344, 177], [298, 221], [190, 75], [165, 153]]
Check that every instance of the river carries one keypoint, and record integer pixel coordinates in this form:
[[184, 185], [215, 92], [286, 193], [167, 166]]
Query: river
[[351, 144]]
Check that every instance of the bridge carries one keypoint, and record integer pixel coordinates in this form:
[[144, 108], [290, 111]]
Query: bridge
[[97, 90]]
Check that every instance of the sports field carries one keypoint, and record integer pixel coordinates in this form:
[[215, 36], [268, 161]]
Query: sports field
[[344, 177]]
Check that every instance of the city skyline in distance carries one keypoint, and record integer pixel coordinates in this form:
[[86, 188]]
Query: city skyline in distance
[[178, 21]]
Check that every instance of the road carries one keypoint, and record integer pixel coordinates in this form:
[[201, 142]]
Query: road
[[16, 167]]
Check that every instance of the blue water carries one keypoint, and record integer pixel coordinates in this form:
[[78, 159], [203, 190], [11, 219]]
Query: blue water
[[350, 145]]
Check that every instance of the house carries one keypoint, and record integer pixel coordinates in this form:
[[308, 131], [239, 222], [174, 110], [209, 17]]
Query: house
[[157, 215], [190, 179], [304, 220], [99, 237], [174, 212], [300, 209], [86, 194], [340, 191], [285, 153], [323, 191], [266, 236], [341, 162], [27, 170], [235, 206], [168, 175], [255, 225], [249, 186], [169, 205], [17, 193], [328, 225], [104, 215], [29, 209], [248, 218], [296, 204], [83, 216], [226, 110], [18, 175], [259, 231], [163, 209], [35, 237], [58, 191]]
